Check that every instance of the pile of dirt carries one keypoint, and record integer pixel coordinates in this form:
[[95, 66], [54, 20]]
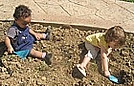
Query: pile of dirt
[[67, 47]]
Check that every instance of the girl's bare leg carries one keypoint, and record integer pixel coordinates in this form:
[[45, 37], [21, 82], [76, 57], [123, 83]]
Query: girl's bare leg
[[85, 61]]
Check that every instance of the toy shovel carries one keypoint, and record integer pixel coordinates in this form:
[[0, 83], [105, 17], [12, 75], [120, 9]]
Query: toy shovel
[[113, 79], [22, 54]]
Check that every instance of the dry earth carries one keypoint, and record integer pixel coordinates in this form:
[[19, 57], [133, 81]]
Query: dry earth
[[67, 47]]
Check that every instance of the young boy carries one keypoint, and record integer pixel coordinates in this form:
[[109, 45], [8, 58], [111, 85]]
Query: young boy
[[20, 37], [105, 42]]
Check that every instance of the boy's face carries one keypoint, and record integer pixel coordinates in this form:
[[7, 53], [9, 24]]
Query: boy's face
[[22, 22]]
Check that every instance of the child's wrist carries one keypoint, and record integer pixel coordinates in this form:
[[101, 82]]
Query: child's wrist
[[107, 73], [34, 34], [9, 47]]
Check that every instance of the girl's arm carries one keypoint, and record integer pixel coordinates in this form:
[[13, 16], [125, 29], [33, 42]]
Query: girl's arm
[[104, 61]]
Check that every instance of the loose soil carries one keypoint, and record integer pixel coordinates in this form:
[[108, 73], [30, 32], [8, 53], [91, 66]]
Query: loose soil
[[67, 47]]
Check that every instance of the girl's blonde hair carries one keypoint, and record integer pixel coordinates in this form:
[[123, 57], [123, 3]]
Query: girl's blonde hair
[[116, 34]]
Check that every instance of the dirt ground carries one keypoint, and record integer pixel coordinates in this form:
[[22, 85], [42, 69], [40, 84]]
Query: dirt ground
[[67, 47]]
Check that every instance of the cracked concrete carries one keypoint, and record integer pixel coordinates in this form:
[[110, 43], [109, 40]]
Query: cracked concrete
[[92, 13]]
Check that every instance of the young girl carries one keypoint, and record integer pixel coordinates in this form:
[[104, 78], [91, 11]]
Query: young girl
[[20, 37], [105, 42]]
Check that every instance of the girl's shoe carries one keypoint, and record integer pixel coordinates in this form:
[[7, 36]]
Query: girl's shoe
[[81, 70]]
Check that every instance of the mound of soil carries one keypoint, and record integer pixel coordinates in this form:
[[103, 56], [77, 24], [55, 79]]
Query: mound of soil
[[67, 47]]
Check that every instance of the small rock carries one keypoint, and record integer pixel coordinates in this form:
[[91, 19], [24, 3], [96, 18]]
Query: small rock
[[6, 53], [43, 78], [128, 64], [124, 53], [38, 82], [3, 69], [18, 66]]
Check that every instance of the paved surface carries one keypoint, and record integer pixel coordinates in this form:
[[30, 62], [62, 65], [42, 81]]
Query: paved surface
[[93, 13]]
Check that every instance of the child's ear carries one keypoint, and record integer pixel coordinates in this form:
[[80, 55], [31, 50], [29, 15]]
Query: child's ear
[[15, 19]]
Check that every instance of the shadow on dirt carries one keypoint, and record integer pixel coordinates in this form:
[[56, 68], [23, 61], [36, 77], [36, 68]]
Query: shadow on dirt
[[83, 51], [2, 50], [124, 77], [8, 69], [76, 73]]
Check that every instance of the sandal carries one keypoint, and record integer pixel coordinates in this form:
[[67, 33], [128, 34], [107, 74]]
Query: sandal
[[81, 70]]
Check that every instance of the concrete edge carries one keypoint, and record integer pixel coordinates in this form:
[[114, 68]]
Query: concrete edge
[[61, 24]]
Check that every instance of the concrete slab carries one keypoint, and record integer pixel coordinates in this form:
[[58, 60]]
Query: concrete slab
[[92, 13]]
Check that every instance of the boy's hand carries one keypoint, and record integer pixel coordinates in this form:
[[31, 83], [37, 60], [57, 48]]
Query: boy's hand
[[10, 50], [37, 36]]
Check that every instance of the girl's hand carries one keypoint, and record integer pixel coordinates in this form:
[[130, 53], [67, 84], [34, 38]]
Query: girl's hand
[[107, 73], [109, 51]]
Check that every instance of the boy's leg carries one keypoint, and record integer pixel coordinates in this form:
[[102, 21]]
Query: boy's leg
[[41, 55], [46, 57], [36, 54]]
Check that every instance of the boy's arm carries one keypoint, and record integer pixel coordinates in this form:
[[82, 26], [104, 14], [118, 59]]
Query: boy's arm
[[32, 32], [37, 35], [8, 44], [104, 61]]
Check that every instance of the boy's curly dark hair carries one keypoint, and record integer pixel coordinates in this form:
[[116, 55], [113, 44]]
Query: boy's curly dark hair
[[22, 11], [116, 34]]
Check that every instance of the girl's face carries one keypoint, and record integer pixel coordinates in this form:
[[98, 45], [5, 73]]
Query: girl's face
[[22, 22], [113, 44]]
